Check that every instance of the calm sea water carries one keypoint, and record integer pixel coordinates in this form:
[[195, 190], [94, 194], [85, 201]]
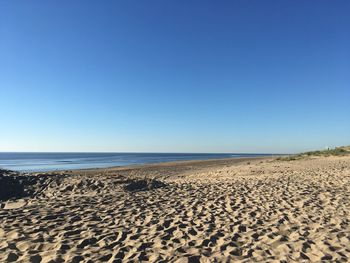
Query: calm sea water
[[67, 161]]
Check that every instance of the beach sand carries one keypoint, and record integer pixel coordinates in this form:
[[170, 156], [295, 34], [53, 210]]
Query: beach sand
[[237, 210]]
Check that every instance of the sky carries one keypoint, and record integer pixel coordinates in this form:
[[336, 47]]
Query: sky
[[174, 76]]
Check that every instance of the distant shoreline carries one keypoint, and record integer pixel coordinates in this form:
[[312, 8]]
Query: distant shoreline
[[179, 166], [46, 162]]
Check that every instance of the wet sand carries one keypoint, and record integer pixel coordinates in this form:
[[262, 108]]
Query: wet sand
[[232, 210]]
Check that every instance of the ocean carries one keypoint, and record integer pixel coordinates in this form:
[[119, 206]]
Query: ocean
[[35, 162]]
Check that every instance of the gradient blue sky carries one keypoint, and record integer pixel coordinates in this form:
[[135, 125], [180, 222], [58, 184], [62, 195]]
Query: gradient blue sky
[[174, 76]]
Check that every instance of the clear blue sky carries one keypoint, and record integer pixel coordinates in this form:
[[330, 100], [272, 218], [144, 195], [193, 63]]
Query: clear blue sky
[[174, 76]]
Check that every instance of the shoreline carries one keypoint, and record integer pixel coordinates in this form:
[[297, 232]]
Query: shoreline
[[184, 163], [41, 162]]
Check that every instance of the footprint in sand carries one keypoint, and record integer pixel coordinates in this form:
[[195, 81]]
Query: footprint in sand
[[14, 204]]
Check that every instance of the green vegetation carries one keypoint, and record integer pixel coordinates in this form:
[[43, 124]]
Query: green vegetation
[[338, 151]]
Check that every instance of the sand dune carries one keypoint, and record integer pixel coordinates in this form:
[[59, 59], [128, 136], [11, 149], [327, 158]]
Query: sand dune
[[260, 210]]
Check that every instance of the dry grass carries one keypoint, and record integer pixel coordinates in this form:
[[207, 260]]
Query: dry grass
[[338, 151]]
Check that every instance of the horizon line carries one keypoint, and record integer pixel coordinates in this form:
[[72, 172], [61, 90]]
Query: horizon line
[[139, 152]]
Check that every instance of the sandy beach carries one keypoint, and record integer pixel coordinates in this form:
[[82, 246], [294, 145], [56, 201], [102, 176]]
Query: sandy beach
[[232, 210]]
